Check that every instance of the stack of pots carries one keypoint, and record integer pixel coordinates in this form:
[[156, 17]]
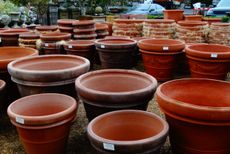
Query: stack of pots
[[51, 43], [192, 31], [208, 60], [114, 89], [28, 40], [102, 30], [47, 73], [127, 27], [219, 33], [46, 29], [158, 28], [1, 30], [84, 30], [116, 53], [160, 56], [10, 37], [176, 15], [65, 25], [43, 121], [198, 112]]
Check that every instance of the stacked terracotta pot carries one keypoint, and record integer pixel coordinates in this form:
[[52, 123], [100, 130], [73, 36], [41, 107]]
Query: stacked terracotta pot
[[52, 43], [66, 25], [102, 30], [192, 31], [28, 40], [176, 15], [158, 28], [46, 29], [84, 30], [219, 33], [127, 27]]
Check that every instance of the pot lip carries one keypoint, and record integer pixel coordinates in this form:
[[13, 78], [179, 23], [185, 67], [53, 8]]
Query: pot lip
[[163, 132], [177, 42], [46, 27], [58, 35], [47, 119], [160, 53], [220, 24], [100, 41], [66, 21], [168, 21], [149, 77], [83, 22], [173, 10], [2, 84], [190, 23], [13, 31], [128, 20], [29, 35], [80, 43], [85, 64], [187, 105]]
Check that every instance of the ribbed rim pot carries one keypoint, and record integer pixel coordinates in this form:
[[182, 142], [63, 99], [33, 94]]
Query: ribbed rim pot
[[176, 15], [55, 36], [198, 112], [127, 131], [193, 17], [113, 89], [43, 121]]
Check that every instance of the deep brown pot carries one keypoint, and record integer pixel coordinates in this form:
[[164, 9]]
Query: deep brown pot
[[176, 15], [43, 121], [48, 73], [113, 89], [198, 112], [208, 60], [127, 131]]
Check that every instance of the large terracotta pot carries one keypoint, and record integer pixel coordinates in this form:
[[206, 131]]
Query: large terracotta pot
[[43, 121], [208, 60], [49, 73], [116, 53], [2, 92], [127, 131], [46, 29], [197, 111], [176, 15], [108, 90]]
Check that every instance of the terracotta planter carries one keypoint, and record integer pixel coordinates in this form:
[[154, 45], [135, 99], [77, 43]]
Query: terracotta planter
[[84, 29], [46, 29], [194, 17], [55, 36], [198, 114], [43, 127], [66, 22], [117, 37], [208, 61], [52, 48], [176, 15], [211, 20], [2, 92], [127, 131], [28, 40], [49, 73], [108, 90], [10, 37]]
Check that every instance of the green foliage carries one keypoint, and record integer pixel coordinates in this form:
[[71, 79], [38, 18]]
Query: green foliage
[[155, 17], [225, 19], [7, 6]]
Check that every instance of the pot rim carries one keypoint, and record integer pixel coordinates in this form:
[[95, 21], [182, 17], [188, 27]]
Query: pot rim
[[2, 84], [99, 42], [160, 53], [149, 77], [44, 119], [161, 134], [14, 31], [79, 43], [163, 21], [59, 35], [174, 10]]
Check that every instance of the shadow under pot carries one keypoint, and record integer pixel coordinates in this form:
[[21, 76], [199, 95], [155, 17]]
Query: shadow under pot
[[43, 121], [48, 73], [127, 131], [208, 60], [198, 112], [114, 89]]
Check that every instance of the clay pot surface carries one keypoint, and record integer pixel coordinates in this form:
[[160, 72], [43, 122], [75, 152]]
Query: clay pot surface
[[101, 26], [66, 22], [2, 92], [193, 17], [117, 37], [176, 15], [29, 35], [127, 131], [55, 36], [83, 22], [158, 21], [46, 28], [192, 23], [161, 45], [114, 89], [128, 21], [79, 45], [198, 114]]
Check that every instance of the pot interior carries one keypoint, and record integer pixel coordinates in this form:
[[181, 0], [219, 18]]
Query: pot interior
[[198, 92], [115, 82], [14, 52], [127, 126], [210, 48]]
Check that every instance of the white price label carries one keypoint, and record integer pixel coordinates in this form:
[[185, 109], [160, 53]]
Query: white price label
[[70, 46], [214, 55], [109, 146], [102, 46], [20, 120], [165, 48], [46, 45]]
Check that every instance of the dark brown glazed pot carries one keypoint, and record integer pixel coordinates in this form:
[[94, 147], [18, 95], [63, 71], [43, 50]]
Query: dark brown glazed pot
[[48, 73], [198, 112], [176, 15], [208, 60], [113, 89], [43, 127], [2, 92], [127, 131]]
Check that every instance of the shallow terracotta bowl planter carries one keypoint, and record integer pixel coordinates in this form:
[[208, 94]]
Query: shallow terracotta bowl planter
[[198, 112], [176, 15], [114, 89], [127, 131]]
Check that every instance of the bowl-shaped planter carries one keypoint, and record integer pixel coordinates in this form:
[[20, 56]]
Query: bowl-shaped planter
[[113, 89], [43, 121], [66, 22], [194, 17], [176, 15], [127, 131], [46, 29], [198, 113], [49, 73], [208, 60], [55, 37]]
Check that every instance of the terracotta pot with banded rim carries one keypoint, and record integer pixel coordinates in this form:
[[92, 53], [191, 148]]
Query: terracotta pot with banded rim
[[193, 17], [176, 15]]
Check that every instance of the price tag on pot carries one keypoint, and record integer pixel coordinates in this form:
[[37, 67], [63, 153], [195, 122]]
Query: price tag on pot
[[214, 55], [165, 48], [102, 46], [70, 46], [46, 45], [20, 120], [109, 146]]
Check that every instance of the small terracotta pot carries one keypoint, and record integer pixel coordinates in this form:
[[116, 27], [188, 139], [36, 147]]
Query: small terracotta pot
[[43, 127], [127, 131], [2, 92], [198, 114], [194, 17], [49, 73], [208, 60], [108, 90], [176, 15]]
